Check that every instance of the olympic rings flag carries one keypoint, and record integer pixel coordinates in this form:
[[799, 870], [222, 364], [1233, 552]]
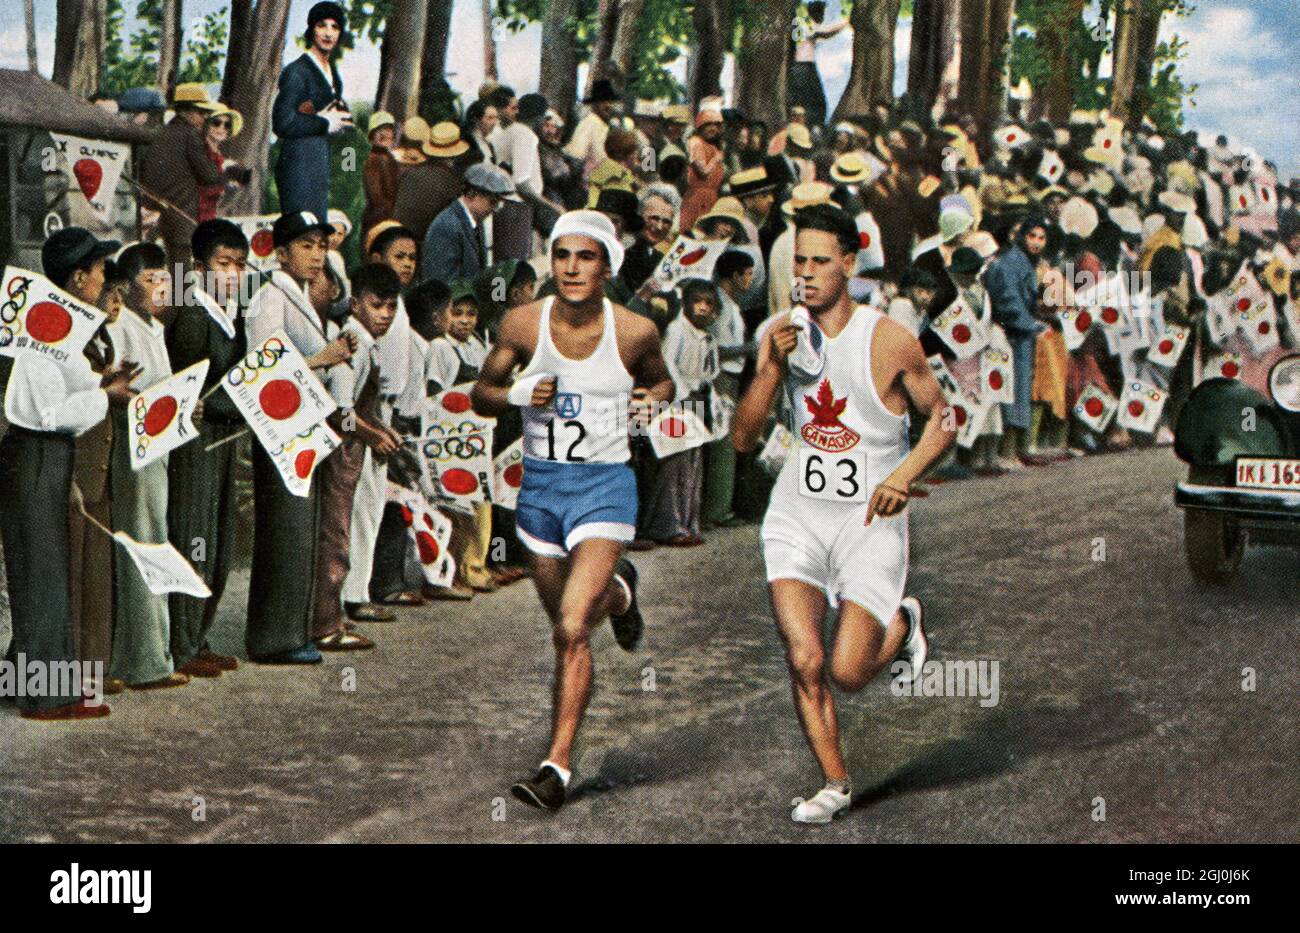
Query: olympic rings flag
[[163, 568], [93, 167], [40, 319], [457, 447], [430, 533], [159, 419], [298, 458], [277, 393], [687, 258]]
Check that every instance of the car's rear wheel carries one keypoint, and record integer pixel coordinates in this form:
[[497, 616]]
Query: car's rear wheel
[[1212, 541]]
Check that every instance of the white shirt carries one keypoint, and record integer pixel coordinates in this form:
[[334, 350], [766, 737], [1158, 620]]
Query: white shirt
[[141, 341], [729, 331], [411, 402], [691, 355], [516, 146], [346, 382], [282, 304], [43, 396], [588, 142], [446, 354]]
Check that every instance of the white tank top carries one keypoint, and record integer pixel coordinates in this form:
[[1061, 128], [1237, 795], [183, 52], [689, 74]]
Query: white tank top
[[587, 422], [846, 440]]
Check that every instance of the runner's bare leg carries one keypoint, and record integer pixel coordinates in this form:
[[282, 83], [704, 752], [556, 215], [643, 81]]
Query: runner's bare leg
[[578, 594], [861, 647]]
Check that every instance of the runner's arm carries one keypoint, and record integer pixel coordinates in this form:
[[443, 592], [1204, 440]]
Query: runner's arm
[[492, 389], [751, 412], [924, 394]]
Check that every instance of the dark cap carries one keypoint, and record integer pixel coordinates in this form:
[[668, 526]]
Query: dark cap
[[622, 204], [288, 227], [602, 91], [965, 261], [322, 11], [71, 247]]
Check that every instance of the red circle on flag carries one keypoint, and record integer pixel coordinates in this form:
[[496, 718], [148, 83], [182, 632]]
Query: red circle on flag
[[672, 427], [514, 475], [262, 243], [995, 380], [427, 546], [407, 516], [1242, 200], [1083, 321], [693, 256], [1243, 304], [961, 333], [1106, 144], [961, 415], [280, 399], [1011, 137], [456, 402], [1135, 408], [302, 463], [89, 174], [48, 322], [458, 482], [428, 521], [1109, 315], [1263, 327], [1230, 369], [1093, 406], [159, 415], [864, 240], [1166, 346]]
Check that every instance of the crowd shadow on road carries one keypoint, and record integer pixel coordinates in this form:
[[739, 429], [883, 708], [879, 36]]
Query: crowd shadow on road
[[998, 743]]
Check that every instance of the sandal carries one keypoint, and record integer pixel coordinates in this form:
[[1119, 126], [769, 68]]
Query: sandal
[[344, 641], [405, 598]]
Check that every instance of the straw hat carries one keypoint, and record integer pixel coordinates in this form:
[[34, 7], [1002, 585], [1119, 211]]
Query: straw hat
[[444, 142], [380, 119], [806, 195], [236, 118], [1178, 202], [726, 209], [797, 134], [677, 113], [415, 128], [851, 169], [1079, 217], [193, 94]]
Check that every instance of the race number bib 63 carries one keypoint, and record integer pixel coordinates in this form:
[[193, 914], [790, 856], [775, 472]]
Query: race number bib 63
[[840, 477]]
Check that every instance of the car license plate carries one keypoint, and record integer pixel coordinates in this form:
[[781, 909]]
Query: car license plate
[[1268, 473]]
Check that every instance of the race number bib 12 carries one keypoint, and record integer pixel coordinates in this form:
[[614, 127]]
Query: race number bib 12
[[838, 477]]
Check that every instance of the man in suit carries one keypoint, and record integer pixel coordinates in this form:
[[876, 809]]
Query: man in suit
[[426, 189], [308, 110], [177, 165], [453, 247]]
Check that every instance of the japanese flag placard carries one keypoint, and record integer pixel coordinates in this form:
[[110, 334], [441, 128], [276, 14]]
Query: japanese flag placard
[[94, 167], [508, 475], [40, 319], [276, 391], [972, 414], [301, 454], [1107, 303], [961, 330], [1051, 167], [1222, 366], [1075, 324], [159, 418], [687, 258], [163, 568], [1221, 320], [943, 375], [457, 446], [261, 248], [1291, 314], [997, 376], [871, 252], [1095, 408], [1011, 137], [429, 531], [1169, 346], [452, 412], [676, 429], [1140, 407], [1246, 292], [1259, 326]]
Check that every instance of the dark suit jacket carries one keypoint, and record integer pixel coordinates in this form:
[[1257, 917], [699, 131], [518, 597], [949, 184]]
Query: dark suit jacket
[[423, 192], [177, 165], [453, 249], [302, 173]]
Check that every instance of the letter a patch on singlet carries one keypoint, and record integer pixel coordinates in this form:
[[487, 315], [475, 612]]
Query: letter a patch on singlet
[[568, 404]]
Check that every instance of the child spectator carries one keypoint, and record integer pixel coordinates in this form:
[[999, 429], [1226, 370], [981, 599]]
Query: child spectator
[[734, 274]]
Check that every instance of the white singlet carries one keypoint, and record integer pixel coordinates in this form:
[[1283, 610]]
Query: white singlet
[[846, 441], [587, 423]]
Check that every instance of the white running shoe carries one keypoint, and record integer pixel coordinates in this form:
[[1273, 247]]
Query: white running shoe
[[821, 808], [917, 647]]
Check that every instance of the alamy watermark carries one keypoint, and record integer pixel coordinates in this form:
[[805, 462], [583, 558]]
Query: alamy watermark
[[978, 678], [21, 678]]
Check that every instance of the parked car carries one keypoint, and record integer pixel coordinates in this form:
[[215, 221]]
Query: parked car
[[1243, 481]]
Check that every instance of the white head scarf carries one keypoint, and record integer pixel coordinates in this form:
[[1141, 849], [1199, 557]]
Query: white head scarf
[[590, 224]]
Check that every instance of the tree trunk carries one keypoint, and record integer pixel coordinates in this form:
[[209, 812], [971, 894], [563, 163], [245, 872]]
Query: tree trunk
[[79, 37], [241, 12], [169, 46], [602, 47], [29, 19], [985, 29], [436, 101], [763, 62], [258, 71], [559, 72], [1054, 39], [933, 33], [402, 50], [871, 80], [712, 32], [623, 53], [489, 43], [1137, 28]]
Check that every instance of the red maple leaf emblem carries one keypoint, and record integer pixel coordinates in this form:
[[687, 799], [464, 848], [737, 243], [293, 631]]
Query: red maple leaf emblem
[[826, 408]]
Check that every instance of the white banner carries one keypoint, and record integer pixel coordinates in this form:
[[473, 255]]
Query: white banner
[[675, 430], [163, 568], [961, 330], [1095, 408], [159, 419], [430, 532], [276, 392], [688, 258], [508, 475], [94, 167], [1140, 407], [1169, 346], [40, 319]]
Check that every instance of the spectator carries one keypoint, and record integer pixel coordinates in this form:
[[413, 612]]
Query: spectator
[[382, 172], [222, 124], [704, 171], [659, 204], [426, 189], [178, 166], [517, 154], [588, 142], [454, 249]]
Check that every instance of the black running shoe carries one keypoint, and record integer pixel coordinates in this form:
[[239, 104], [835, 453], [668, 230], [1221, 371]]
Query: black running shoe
[[627, 625], [545, 791]]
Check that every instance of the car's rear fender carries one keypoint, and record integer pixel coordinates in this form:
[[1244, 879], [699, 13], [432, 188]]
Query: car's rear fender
[[1215, 426]]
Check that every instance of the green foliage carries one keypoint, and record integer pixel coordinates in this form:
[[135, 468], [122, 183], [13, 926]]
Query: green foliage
[[1169, 92], [205, 50], [133, 61]]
